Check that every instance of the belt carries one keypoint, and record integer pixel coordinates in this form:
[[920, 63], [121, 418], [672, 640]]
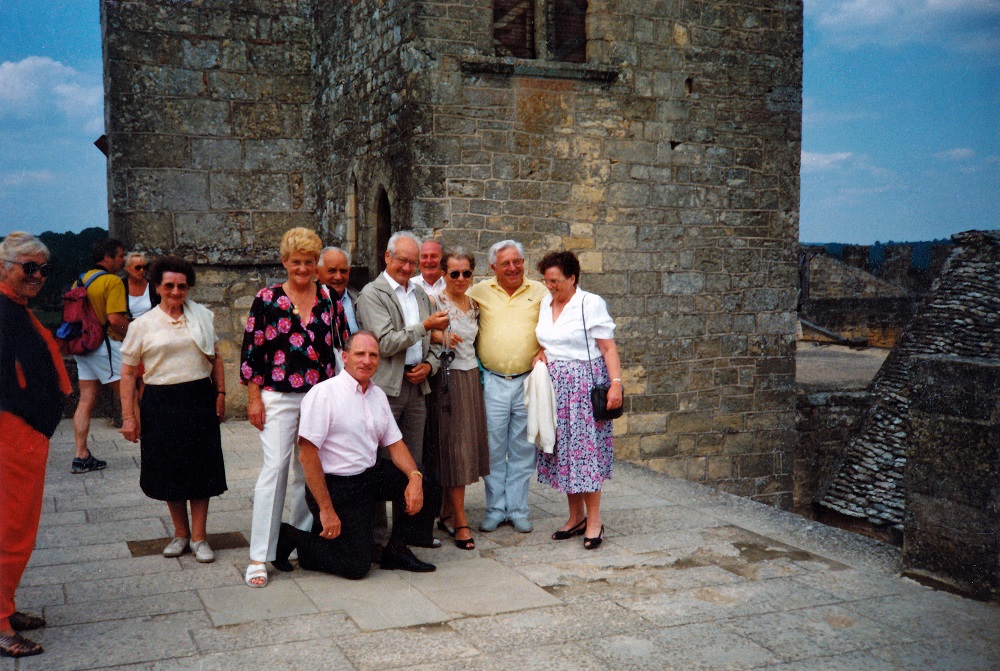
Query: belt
[[507, 377]]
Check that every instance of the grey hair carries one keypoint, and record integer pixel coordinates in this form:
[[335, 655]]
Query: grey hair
[[502, 245], [434, 241], [132, 255], [391, 246], [332, 249], [19, 243]]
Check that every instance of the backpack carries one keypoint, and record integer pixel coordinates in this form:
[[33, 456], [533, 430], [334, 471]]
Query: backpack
[[80, 332]]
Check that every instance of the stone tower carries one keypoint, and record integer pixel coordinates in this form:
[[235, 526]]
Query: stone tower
[[657, 139]]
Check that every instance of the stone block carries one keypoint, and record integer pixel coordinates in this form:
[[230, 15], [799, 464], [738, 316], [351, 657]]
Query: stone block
[[215, 154], [276, 155], [225, 229], [250, 191], [268, 227], [268, 120], [167, 190]]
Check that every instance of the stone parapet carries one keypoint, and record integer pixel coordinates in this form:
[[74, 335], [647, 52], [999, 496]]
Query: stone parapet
[[952, 477]]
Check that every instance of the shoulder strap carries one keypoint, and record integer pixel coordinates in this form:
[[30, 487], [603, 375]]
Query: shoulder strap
[[86, 285], [586, 340]]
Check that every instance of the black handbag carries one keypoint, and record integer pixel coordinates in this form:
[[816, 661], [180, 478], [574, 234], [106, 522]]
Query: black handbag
[[599, 392]]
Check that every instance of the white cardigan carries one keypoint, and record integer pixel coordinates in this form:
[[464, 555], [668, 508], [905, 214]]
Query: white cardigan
[[540, 402]]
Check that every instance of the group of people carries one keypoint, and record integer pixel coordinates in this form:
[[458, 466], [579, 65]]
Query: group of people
[[407, 391]]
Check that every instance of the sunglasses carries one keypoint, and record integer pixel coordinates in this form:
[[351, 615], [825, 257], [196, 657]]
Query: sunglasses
[[31, 267], [170, 286], [455, 274], [140, 266]]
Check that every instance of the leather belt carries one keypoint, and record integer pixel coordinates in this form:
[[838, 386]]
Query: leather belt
[[507, 377]]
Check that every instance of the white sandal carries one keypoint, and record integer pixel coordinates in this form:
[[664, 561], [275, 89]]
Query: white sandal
[[255, 571]]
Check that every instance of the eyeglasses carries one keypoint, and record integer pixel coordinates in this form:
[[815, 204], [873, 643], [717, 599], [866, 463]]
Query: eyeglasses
[[403, 262], [552, 283], [31, 267], [455, 274], [170, 286], [140, 266]]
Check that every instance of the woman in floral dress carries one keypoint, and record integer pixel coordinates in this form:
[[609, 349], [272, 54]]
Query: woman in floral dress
[[577, 357], [288, 348]]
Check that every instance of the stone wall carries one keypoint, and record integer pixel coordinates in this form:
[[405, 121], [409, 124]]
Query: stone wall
[[958, 318], [208, 111], [881, 321], [953, 474], [826, 421], [668, 162]]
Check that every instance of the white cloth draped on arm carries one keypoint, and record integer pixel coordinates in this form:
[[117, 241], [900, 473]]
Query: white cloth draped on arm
[[540, 403]]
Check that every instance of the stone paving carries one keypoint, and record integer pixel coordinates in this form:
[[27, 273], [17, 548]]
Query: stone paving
[[687, 579]]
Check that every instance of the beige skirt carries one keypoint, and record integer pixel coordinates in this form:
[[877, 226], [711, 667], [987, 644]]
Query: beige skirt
[[465, 450]]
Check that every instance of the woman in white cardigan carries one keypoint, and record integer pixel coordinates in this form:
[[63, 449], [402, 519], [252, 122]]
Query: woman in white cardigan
[[577, 358]]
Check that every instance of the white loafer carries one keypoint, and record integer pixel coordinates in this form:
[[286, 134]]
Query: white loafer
[[202, 552], [176, 547]]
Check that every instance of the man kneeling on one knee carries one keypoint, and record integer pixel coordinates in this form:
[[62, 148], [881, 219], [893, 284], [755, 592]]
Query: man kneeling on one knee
[[343, 422]]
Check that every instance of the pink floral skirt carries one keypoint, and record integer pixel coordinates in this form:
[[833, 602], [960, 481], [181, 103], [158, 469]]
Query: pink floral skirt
[[584, 447]]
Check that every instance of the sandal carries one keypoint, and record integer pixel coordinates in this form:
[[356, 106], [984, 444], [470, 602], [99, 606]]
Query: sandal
[[563, 534], [18, 646], [25, 621], [255, 572], [595, 542], [466, 544], [443, 526]]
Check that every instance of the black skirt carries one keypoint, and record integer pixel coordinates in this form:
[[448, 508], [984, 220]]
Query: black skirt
[[181, 444]]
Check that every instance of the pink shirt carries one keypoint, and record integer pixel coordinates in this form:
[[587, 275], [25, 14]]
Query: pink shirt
[[347, 424]]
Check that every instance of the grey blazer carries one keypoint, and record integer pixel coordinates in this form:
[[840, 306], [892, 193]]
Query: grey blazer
[[380, 312]]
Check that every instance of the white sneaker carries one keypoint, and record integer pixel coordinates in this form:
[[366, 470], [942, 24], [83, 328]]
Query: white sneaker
[[202, 552], [176, 547]]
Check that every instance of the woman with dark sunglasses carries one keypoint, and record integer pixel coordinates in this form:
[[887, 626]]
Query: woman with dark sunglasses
[[464, 454], [140, 299], [33, 386]]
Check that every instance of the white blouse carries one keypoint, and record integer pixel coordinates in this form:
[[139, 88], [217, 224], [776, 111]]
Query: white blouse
[[165, 348], [140, 305], [563, 338], [465, 325]]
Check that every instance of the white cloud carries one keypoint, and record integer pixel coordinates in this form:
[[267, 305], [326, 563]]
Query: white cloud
[[814, 162], [959, 154], [971, 26], [37, 88], [26, 177]]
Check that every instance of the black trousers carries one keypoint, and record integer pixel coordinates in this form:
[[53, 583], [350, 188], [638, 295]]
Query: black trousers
[[350, 554]]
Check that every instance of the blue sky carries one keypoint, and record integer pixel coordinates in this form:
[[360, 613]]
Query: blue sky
[[901, 127]]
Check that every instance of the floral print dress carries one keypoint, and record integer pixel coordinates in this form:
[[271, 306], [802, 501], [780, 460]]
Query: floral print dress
[[283, 352]]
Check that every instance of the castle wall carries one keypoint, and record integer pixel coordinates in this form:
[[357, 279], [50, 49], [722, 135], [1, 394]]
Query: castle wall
[[208, 111], [669, 163]]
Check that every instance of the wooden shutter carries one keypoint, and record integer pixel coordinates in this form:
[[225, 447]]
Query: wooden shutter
[[567, 30], [514, 28]]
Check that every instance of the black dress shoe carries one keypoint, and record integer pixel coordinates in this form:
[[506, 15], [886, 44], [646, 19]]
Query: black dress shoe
[[286, 543], [404, 559]]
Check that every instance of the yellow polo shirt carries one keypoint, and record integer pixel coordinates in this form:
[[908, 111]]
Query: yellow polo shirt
[[107, 296], [506, 342]]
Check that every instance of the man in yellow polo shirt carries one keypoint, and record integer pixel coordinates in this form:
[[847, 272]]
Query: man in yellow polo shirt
[[508, 314], [109, 299]]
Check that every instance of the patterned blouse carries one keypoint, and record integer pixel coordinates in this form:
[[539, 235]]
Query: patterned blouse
[[282, 354]]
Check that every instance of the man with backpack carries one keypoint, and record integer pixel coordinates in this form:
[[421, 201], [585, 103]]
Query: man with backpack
[[109, 300]]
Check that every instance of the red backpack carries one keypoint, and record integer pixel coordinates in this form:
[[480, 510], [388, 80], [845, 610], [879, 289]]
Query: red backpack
[[81, 331]]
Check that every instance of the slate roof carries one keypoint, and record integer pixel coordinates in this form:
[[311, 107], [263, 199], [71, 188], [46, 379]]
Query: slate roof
[[961, 317]]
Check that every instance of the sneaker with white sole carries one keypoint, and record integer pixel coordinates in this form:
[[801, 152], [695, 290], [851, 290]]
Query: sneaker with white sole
[[176, 547], [202, 552]]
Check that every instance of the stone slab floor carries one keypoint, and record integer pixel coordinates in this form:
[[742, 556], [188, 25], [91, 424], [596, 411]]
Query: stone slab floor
[[686, 579]]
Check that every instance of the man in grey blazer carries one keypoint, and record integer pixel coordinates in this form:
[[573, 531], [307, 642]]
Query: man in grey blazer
[[398, 312]]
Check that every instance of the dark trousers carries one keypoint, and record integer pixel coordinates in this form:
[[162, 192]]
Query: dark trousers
[[354, 496]]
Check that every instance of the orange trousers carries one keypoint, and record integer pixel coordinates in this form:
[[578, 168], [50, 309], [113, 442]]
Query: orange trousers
[[23, 453]]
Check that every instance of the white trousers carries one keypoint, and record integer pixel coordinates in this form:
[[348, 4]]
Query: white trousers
[[279, 441]]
